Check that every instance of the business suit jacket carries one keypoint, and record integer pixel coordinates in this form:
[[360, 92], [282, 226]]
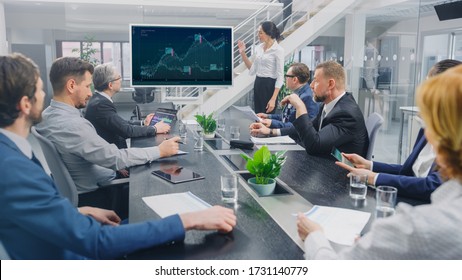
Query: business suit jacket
[[102, 113], [286, 127], [36, 222], [403, 178], [343, 128]]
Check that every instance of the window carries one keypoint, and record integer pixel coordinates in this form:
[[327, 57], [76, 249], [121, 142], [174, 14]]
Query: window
[[117, 53]]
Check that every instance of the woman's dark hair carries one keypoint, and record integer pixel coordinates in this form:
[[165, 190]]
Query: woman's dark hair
[[270, 29], [18, 78], [442, 66]]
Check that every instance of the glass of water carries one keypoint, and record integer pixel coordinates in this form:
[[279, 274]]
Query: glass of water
[[182, 129], [385, 201], [358, 186], [235, 132], [221, 125], [229, 188], [198, 138]]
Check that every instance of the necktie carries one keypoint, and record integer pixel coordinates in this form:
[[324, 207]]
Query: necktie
[[322, 118], [34, 159]]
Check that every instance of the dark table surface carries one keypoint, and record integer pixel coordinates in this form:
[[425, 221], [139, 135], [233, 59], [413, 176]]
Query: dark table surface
[[257, 235]]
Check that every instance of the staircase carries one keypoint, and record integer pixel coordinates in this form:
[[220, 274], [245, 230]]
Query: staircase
[[300, 30]]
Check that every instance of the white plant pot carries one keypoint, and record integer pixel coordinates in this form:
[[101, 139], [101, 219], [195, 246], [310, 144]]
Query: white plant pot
[[209, 135], [262, 189]]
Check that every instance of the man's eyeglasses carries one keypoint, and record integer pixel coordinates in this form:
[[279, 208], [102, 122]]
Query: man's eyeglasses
[[289, 76], [116, 79]]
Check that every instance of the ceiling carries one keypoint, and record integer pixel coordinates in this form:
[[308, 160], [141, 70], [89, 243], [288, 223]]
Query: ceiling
[[115, 15]]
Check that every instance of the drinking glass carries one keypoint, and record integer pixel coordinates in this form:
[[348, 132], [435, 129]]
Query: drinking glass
[[385, 201], [234, 132], [358, 186], [229, 188], [198, 138]]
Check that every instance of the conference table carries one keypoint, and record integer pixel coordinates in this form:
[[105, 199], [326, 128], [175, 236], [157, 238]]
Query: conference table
[[266, 226]]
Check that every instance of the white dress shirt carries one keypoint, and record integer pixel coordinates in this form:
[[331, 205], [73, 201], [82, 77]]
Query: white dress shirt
[[269, 63], [88, 157], [429, 231]]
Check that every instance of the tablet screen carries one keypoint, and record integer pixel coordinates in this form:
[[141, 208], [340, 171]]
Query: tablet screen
[[162, 116], [177, 175]]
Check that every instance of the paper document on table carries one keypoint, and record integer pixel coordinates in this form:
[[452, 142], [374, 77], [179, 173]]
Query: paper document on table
[[272, 140], [248, 112], [340, 225], [175, 203]]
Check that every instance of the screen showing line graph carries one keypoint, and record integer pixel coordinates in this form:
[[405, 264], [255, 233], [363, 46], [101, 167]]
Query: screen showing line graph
[[181, 55]]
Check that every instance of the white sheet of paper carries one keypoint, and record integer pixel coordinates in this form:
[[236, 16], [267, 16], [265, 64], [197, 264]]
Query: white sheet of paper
[[180, 152], [248, 112], [340, 225], [272, 140], [175, 203]]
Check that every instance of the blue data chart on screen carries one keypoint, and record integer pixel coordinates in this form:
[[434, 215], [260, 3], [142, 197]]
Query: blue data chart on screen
[[181, 56]]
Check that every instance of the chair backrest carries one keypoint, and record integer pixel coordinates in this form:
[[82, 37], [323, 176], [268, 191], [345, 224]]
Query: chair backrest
[[61, 176], [142, 110], [3, 253], [373, 123]]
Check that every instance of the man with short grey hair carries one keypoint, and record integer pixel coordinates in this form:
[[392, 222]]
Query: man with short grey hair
[[102, 113]]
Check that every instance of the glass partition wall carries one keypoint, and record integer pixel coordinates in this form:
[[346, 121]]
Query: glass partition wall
[[386, 55]]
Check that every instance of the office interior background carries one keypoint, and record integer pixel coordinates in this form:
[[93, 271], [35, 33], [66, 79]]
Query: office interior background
[[386, 47]]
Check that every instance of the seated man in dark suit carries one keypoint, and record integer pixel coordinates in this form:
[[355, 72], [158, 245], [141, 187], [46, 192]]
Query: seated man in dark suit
[[297, 78], [339, 123], [417, 177], [102, 113], [36, 222]]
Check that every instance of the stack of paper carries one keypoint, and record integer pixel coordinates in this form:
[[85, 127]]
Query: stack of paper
[[340, 225], [248, 112], [272, 140], [175, 203]]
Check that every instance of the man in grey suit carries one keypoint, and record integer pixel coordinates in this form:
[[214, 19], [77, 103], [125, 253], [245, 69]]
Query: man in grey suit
[[102, 113], [339, 123]]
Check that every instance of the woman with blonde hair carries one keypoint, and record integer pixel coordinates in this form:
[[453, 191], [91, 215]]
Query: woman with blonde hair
[[432, 231]]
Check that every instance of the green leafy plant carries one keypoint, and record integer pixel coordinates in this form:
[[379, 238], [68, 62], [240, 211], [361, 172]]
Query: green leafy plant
[[265, 165], [88, 51], [208, 123]]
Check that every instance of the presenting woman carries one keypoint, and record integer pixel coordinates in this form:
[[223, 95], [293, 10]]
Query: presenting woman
[[431, 231], [268, 65]]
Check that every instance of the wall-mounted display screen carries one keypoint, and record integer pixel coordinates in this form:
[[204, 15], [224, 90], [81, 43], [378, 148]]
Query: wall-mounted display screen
[[181, 55]]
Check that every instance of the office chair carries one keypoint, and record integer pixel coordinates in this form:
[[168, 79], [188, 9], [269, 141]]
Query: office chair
[[373, 123], [61, 176], [3, 253], [143, 95], [66, 185], [142, 110]]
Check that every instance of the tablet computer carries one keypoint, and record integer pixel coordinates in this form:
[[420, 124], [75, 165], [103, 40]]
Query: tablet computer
[[178, 175], [162, 116]]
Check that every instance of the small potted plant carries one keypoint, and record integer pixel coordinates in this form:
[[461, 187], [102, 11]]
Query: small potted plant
[[266, 167], [208, 124]]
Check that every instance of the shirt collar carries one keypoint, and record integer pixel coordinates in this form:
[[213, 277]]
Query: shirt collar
[[298, 90], [21, 142], [331, 105], [105, 95], [65, 107]]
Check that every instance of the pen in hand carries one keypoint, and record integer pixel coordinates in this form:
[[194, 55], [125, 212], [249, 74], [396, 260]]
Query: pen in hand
[[179, 142]]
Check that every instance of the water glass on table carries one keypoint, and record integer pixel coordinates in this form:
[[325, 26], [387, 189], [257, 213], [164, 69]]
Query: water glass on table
[[358, 186], [229, 188], [182, 129], [235, 133], [385, 201], [221, 125], [198, 138]]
